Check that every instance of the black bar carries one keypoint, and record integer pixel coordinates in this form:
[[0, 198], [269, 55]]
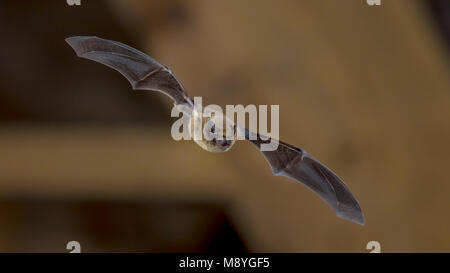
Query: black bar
[[257, 262]]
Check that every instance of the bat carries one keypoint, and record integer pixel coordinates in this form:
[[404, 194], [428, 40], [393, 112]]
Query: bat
[[145, 73]]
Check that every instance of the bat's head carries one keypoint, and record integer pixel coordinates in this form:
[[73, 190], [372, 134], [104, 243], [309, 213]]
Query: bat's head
[[213, 132]]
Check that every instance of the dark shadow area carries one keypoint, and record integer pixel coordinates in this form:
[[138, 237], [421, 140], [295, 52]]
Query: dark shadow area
[[440, 10], [44, 81], [43, 225]]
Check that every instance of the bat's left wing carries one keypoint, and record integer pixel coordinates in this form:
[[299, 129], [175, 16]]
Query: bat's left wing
[[295, 163]]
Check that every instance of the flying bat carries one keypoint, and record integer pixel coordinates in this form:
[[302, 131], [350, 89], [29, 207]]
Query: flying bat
[[145, 73]]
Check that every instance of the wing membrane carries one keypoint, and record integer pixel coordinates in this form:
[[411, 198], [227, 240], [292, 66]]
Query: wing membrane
[[142, 71], [295, 163]]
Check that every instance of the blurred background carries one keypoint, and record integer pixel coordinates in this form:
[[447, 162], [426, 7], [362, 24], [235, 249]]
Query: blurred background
[[365, 89]]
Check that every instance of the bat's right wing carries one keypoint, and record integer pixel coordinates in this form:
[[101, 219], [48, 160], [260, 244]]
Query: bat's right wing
[[295, 163], [142, 71]]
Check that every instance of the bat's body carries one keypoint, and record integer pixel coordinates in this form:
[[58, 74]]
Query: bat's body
[[143, 72]]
